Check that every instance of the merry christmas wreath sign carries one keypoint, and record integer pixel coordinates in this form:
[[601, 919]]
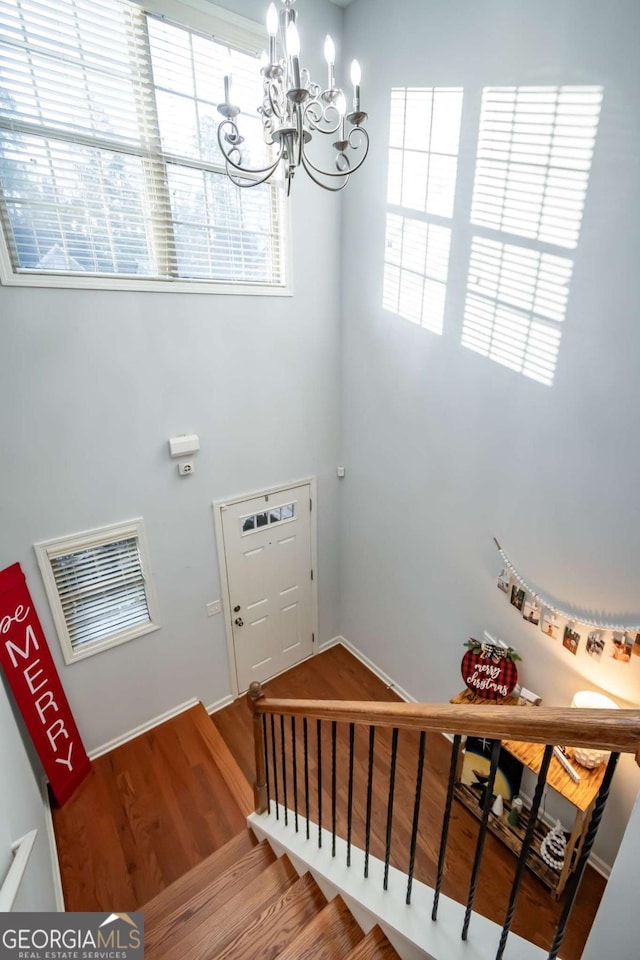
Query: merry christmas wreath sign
[[488, 670]]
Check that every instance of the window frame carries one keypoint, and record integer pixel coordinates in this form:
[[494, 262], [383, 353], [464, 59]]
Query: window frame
[[48, 550], [246, 35]]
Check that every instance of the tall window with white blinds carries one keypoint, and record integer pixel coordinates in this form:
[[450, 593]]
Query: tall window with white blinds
[[110, 171], [99, 588]]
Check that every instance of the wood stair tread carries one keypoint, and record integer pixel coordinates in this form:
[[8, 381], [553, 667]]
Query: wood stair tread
[[166, 921], [205, 933], [200, 875], [281, 922], [375, 946], [331, 935]]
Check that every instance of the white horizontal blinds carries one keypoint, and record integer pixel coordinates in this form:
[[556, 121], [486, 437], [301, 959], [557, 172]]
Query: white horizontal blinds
[[73, 66], [107, 122], [221, 232], [101, 590], [218, 231], [74, 120], [534, 156], [512, 294]]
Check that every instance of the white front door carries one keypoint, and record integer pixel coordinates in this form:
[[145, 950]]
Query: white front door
[[267, 547]]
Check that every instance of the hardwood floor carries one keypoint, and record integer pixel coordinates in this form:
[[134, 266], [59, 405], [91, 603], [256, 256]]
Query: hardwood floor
[[150, 811], [336, 674], [158, 806]]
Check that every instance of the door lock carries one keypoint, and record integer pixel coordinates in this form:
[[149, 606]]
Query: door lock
[[236, 609], [239, 622]]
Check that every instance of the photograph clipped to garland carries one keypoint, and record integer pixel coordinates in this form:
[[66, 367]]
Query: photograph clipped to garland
[[596, 640], [489, 670]]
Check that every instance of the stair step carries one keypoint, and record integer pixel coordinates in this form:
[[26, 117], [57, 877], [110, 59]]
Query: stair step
[[199, 876], [166, 920], [283, 920], [331, 935], [205, 933], [375, 946]]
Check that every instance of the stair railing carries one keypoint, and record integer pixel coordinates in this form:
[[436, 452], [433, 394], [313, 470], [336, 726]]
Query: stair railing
[[617, 731]]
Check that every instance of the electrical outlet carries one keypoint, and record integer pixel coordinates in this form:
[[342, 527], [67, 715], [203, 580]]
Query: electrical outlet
[[214, 607]]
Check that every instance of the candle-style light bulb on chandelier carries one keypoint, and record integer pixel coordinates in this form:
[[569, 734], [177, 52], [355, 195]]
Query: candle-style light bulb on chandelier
[[294, 111]]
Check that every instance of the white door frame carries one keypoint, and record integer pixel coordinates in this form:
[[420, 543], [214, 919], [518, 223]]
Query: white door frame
[[218, 507]]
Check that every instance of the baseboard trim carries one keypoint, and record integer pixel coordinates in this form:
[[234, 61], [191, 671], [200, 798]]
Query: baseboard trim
[[598, 864], [219, 704], [53, 848], [143, 728], [363, 658]]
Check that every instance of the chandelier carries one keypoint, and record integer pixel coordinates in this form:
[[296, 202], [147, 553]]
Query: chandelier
[[295, 111]]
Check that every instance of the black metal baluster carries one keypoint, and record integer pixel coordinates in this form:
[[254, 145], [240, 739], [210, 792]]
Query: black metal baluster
[[295, 772], [319, 743], [486, 807], [265, 740], [576, 877], [275, 765], [416, 814], [284, 771], [392, 785], [306, 772], [455, 753], [352, 731], [334, 726], [372, 738], [526, 846]]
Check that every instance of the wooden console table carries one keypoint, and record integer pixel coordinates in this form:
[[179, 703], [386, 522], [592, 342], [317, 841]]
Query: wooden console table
[[581, 795]]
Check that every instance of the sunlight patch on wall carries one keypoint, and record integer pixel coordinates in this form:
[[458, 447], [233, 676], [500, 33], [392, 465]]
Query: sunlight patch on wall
[[534, 156], [535, 147], [424, 138], [415, 270], [423, 163], [516, 301]]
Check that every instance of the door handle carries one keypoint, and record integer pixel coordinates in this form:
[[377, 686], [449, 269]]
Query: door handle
[[239, 622]]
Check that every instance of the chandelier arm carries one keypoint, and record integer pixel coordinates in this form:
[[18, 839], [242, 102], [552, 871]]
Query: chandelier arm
[[315, 121], [336, 189], [300, 126], [341, 173], [246, 170], [274, 104], [247, 182]]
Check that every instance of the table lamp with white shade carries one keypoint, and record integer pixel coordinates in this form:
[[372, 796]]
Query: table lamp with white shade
[[590, 700]]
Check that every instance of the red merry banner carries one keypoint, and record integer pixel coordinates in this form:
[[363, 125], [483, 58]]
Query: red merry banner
[[32, 675]]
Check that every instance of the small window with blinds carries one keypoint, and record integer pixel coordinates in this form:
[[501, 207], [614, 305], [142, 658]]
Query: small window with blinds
[[110, 170], [99, 588]]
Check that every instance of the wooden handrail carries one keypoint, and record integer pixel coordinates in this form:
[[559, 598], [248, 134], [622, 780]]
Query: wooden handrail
[[617, 730]]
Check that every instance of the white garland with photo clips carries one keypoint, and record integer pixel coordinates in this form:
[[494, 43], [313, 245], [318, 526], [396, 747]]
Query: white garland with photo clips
[[571, 617]]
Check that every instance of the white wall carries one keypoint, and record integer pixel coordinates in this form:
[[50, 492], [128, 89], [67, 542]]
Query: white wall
[[21, 810], [614, 928], [92, 386], [445, 449]]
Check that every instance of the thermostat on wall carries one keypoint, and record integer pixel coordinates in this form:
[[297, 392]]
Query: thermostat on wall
[[184, 445]]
